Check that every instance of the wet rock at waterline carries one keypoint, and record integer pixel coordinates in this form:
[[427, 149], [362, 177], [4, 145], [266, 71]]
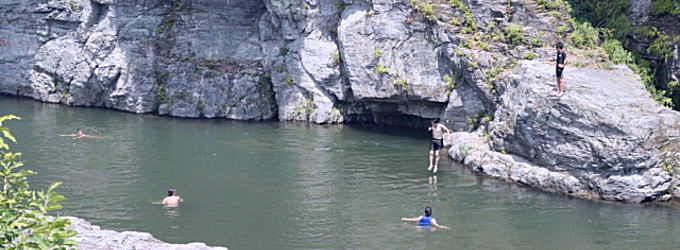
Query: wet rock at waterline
[[93, 237]]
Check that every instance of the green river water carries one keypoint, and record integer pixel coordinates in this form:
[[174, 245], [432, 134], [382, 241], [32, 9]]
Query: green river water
[[273, 185]]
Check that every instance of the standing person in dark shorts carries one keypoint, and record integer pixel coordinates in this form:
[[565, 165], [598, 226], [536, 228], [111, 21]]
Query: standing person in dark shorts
[[437, 142], [559, 67]]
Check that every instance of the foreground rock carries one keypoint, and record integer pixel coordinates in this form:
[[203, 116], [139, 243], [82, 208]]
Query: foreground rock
[[605, 139], [93, 237]]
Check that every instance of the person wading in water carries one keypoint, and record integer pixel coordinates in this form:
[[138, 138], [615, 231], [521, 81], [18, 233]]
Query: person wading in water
[[437, 143], [172, 199], [427, 220]]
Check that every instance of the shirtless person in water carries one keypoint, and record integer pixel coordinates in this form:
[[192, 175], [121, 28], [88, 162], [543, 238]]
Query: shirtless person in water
[[437, 142], [172, 198], [79, 134]]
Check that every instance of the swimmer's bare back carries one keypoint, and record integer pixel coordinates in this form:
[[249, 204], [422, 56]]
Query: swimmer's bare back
[[76, 136], [172, 200]]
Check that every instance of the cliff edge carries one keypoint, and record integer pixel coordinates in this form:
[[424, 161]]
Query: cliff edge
[[605, 139]]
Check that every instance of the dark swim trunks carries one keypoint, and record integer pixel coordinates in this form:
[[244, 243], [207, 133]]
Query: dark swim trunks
[[561, 57], [437, 144], [558, 72]]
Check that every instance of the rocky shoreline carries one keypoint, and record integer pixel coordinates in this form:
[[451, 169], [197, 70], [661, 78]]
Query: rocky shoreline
[[93, 237]]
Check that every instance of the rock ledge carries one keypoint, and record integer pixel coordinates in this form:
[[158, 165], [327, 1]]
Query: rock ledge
[[93, 237]]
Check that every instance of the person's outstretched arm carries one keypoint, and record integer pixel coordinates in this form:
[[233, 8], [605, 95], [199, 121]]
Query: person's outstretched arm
[[412, 219], [434, 222]]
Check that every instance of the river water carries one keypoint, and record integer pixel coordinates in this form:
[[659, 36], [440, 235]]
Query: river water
[[276, 185]]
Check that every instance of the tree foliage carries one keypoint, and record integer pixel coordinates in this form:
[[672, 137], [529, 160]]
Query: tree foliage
[[610, 20], [24, 220]]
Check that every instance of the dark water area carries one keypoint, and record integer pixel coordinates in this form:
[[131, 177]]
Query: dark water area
[[274, 185]]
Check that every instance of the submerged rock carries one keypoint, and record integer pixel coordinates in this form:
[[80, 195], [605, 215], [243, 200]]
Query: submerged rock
[[93, 237]]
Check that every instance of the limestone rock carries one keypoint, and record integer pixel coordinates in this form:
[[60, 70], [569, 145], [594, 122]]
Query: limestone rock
[[93, 237], [605, 138]]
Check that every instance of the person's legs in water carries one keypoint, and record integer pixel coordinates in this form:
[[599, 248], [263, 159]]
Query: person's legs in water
[[431, 158], [436, 161]]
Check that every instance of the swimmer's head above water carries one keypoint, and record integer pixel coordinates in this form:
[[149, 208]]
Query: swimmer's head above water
[[79, 131], [435, 121], [428, 211], [171, 191]]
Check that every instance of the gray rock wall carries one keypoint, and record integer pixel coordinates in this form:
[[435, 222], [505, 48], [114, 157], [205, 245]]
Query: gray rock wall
[[248, 60]]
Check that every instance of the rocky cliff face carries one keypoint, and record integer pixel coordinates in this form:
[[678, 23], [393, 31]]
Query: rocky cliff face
[[598, 141], [323, 61], [331, 61]]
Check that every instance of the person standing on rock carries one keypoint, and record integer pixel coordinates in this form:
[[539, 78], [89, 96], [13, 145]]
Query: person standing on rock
[[437, 143], [173, 199], [560, 61]]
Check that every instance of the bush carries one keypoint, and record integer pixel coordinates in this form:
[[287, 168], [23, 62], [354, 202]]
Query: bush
[[487, 118], [549, 4], [663, 7], [339, 5], [584, 35], [25, 223], [647, 32], [336, 58], [514, 34], [401, 83], [529, 56], [661, 47], [73, 6], [449, 83], [470, 23], [562, 29], [610, 14], [536, 42], [425, 9], [615, 51], [376, 54], [289, 81], [381, 69], [473, 122], [283, 51]]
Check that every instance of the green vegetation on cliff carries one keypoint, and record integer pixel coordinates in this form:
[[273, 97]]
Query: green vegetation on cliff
[[613, 31], [25, 223]]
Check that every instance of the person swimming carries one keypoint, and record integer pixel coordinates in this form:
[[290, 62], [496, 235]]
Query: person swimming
[[173, 198], [426, 220], [79, 134]]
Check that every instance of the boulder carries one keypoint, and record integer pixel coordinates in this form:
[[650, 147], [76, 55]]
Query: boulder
[[606, 133], [93, 237]]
